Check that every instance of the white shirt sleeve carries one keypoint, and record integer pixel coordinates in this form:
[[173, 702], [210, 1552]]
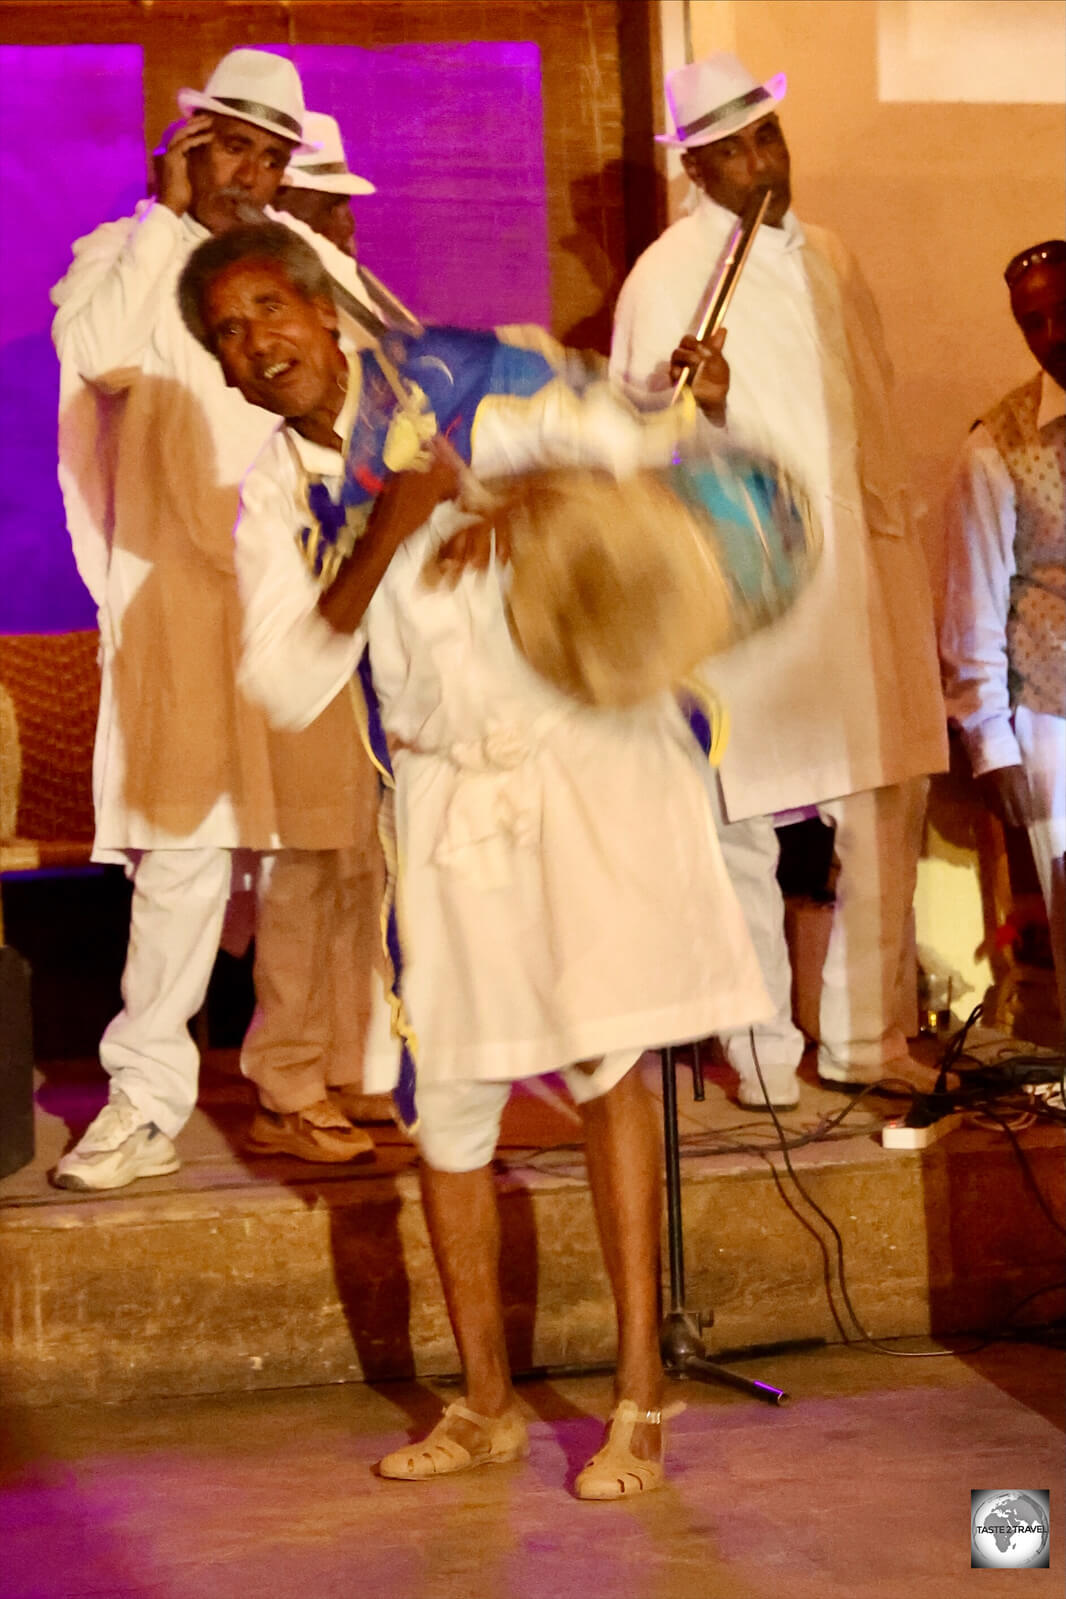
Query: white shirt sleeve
[[557, 427], [979, 553], [292, 661], [111, 298]]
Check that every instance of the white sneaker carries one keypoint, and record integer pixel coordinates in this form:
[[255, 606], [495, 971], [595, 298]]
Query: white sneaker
[[851, 1076], [782, 1086], [116, 1149]]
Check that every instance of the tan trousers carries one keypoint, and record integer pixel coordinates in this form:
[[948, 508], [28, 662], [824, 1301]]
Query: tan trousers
[[318, 950]]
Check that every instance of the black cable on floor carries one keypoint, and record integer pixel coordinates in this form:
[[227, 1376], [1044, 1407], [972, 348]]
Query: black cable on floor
[[866, 1338]]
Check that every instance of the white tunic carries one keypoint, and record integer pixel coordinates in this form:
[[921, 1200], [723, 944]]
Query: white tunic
[[561, 891], [842, 694]]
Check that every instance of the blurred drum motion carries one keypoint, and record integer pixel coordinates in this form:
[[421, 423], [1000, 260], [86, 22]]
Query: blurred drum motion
[[620, 588]]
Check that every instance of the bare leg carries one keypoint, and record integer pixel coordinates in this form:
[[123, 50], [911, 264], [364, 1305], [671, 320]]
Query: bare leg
[[464, 1229], [622, 1150]]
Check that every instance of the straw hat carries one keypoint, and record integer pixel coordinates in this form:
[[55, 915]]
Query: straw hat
[[610, 598]]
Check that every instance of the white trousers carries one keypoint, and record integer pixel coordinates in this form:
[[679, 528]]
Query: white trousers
[[1042, 742], [179, 901], [878, 838], [459, 1120]]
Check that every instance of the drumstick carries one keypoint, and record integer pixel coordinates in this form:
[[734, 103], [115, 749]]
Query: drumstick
[[719, 291], [398, 314], [389, 312]]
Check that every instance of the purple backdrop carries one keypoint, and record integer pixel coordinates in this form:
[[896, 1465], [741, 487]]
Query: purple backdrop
[[452, 135], [71, 156]]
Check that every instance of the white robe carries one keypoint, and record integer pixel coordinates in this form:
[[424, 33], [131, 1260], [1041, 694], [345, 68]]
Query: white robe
[[561, 890], [842, 694]]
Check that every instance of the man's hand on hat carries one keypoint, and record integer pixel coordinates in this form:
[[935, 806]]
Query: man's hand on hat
[[710, 373], [175, 189]]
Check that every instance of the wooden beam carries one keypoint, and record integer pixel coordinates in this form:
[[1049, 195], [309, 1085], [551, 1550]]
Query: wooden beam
[[643, 164]]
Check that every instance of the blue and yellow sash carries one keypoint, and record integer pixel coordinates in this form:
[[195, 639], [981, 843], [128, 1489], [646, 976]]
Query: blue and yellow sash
[[411, 388]]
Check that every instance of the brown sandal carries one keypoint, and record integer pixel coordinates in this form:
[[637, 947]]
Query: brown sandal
[[615, 1472], [506, 1438]]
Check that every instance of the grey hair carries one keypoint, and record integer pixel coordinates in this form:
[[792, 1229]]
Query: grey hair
[[270, 242]]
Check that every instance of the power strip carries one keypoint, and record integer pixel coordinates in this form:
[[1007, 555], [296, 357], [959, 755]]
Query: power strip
[[897, 1135]]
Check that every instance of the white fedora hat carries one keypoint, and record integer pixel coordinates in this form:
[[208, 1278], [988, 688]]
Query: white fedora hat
[[254, 86], [713, 98], [324, 168]]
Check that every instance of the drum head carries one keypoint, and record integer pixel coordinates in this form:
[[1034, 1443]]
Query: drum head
[[620, 588], [612, 597]]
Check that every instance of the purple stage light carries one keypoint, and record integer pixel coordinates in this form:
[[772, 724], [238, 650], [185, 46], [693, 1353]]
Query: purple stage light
[[452, 135], [71, 156]]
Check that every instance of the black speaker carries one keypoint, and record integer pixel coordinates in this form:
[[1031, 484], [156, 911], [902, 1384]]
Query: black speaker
[[16, 1063]]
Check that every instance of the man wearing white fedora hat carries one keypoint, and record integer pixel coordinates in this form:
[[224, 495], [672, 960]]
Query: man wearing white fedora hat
[[317, 188], [153, 446], [318, 185], [835, 710]]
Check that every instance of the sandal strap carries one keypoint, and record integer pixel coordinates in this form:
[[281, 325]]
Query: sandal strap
[[463, 1413], [653, 1418], [628, 1410]]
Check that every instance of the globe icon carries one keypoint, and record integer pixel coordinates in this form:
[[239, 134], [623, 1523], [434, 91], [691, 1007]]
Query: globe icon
[[1010, 1529]]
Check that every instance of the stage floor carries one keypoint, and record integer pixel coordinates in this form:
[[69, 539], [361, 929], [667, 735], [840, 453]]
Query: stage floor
[[239, 1273], [540, 1125], [860, 1489]]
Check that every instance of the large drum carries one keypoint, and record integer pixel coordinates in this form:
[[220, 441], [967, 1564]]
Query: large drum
[[620, 588]]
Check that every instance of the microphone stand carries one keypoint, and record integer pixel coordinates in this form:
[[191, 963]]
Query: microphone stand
[[680, 1343]]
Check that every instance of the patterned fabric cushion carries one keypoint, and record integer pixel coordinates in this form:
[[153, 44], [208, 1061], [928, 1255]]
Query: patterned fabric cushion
[[49, 696]]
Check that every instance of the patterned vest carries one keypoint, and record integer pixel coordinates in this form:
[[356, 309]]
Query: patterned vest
[[1036, 624]]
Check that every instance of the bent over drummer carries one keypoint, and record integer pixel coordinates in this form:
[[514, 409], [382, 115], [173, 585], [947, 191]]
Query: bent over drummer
[[560, 889]]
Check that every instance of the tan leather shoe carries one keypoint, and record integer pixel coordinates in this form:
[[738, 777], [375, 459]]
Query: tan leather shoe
[[363, 1110], [319, 1133]]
